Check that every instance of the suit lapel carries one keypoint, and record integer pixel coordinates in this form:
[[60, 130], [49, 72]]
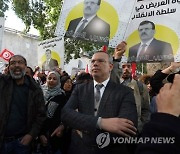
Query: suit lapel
[[109, 88], [150, 49], [137, 49]]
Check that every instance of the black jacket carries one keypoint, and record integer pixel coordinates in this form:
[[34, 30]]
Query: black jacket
[[36, 107]]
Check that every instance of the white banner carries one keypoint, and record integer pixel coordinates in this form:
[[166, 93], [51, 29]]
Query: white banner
[[162, 40], [111, 20], [51, 54]]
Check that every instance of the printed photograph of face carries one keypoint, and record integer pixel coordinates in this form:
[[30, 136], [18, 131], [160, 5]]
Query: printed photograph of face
[[89, 27], [91, 7], [150, 49], [146, 32]]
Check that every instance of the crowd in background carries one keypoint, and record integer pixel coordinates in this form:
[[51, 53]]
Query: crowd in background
[[57, 86]]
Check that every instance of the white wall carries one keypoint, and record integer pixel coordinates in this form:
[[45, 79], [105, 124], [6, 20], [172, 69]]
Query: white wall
[[25, 45]]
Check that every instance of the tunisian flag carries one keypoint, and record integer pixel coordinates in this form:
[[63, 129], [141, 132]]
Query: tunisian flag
[[6, 54]]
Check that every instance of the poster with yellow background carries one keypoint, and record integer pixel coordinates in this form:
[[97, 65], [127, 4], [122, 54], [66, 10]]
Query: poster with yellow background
[[106, 25], [51, 54], [153, 33]]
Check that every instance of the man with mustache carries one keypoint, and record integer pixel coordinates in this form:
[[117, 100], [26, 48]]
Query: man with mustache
[[150, 49], [22, 109], [90, 27], [123, 75]]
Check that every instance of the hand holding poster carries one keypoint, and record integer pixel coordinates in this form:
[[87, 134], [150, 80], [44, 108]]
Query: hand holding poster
[[157, 38]]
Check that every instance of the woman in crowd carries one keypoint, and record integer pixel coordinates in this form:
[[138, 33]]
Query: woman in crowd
[[55, 100], [67, 86]]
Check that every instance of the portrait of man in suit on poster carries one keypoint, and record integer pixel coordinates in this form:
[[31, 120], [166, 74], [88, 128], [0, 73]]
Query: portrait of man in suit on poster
[[50, 63], [150, 49], [90, 27]]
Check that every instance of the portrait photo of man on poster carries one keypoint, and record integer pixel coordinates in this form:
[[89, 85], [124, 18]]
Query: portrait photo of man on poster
[[90, 27], [150, 49], [50, 63]]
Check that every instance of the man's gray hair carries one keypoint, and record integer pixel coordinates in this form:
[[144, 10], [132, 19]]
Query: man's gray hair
[[110, 57]]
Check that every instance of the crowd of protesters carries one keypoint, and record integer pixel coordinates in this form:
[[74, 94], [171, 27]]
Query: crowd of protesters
[[51, 112]]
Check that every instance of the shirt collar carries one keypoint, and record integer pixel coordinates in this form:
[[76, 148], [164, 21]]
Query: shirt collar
[[88, 19], [147, 43], [104, 82]]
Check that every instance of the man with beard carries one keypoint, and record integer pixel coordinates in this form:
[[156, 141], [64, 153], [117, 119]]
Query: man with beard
[[140, 93], [22, 109], [150, 49], [90, 27], [123, 75], [104, 108]]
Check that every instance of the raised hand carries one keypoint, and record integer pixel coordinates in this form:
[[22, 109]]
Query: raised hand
[[120, 50]]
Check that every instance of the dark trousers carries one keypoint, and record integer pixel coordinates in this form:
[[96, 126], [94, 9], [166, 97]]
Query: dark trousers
[[77, 146], [14, 147]]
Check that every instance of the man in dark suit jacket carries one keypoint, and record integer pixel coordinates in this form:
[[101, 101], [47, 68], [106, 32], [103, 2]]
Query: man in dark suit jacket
[[93, 29], [150, 49], [50, 64], [116, 113]]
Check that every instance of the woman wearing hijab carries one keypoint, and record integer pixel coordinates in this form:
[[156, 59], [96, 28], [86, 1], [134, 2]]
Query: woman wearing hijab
[[55, 100], [67, 86]]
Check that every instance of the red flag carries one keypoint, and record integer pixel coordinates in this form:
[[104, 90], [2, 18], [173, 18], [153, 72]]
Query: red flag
[[104, 48], [87, 70], [6, 54], [133, 66]]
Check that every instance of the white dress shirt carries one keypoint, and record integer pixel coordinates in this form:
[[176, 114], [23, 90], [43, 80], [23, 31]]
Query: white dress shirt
[[141, 46]]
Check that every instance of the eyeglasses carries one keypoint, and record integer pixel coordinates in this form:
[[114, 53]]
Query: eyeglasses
[[20, 62], [98, 61]]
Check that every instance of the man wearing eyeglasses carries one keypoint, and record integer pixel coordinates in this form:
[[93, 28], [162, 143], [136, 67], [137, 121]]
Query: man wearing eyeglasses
[[150, 49], [22, 109], [103, 106], [90, 27]]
